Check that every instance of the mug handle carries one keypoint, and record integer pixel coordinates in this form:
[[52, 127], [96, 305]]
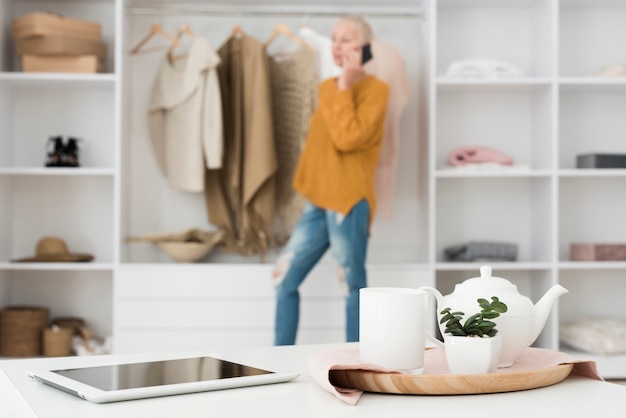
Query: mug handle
[[434, 340], [439, 301]]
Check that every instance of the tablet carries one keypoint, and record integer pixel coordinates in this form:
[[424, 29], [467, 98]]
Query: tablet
[[127, 381]]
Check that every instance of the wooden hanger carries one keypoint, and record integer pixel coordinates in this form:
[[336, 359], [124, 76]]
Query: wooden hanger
[[237, 31], [155, 30], [184, 30], [282, 29]]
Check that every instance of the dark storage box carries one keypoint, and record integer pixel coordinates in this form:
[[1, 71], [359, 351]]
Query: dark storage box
[[601, 161]]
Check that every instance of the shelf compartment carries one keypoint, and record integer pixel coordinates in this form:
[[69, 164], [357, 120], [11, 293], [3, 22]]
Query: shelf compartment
[[514, 120], [84, 294], [588, 32], [517, 32], [513, 210], [77, 209], [34, 114], [102, 12], [604, 286], [591, 120], [591, 210]]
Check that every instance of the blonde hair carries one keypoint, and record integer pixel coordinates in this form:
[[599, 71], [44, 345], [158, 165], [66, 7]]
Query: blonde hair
[[363, 29]]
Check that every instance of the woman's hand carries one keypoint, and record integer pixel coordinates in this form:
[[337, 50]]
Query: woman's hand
[[352, 69]]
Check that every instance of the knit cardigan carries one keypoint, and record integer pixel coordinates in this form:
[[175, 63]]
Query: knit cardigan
[[338, 164]]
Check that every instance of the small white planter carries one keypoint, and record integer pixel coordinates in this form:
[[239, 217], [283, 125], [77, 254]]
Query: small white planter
[[472, 355]]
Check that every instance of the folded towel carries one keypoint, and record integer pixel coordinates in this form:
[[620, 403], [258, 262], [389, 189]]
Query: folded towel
[[482, 67], [435, 362], [482, 250], [478, 154]]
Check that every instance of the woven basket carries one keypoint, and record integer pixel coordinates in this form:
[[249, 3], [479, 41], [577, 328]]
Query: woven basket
[[186, 252], [20, 330], [57, 341]]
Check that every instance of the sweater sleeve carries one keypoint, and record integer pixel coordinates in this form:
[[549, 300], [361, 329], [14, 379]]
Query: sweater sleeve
[[352, 119]]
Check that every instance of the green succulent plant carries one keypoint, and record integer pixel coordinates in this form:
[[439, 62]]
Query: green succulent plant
[[477, 325]]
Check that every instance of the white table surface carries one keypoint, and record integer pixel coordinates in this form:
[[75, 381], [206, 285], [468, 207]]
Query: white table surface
[[21, 397]]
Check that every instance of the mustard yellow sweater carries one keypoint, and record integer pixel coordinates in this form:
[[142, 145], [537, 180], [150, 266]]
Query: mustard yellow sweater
[[338, 163]]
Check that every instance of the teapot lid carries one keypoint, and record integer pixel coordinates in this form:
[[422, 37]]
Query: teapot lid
[[487, 280]]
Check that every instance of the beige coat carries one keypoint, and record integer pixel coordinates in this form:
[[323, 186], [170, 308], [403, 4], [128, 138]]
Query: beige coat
[[388, 65], [240, 197], [185, 117]]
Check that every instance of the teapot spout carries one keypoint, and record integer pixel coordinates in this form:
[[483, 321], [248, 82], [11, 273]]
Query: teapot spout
[[543, 308]]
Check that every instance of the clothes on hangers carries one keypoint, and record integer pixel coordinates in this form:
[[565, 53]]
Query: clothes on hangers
[[240, 197], [326, 64], [388, 65], [294, 81], [185, 117]]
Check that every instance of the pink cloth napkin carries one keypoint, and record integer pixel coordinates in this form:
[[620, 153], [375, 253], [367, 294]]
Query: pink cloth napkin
[[434, 363]]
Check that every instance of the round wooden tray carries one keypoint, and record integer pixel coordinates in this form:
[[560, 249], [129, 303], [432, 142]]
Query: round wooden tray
[[449, 384]]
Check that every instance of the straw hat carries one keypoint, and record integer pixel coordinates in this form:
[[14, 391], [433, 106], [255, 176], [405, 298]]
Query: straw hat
[[53, 249]]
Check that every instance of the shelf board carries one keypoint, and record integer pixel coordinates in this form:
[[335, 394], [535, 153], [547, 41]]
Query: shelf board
[[492, 174], [592, 265], [531, 83], [591, 84], [129, 266], [513, 265], [56, 171], [57, 266], [593, 172], [56, 79]]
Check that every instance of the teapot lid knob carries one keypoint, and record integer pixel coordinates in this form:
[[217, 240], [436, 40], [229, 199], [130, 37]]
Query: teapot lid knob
[[485, 271]]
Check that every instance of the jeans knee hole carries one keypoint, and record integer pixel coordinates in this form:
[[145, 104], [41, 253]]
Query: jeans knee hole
[[281, 268], [342, 281]]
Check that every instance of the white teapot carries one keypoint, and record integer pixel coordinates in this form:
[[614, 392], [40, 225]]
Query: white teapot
[[519, 326]]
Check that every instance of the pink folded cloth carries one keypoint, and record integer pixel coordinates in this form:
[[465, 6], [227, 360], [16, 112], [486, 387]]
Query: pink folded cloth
[[478, 154], [322, 363]]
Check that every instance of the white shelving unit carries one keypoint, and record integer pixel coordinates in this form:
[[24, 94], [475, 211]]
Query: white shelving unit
[[77, 204], [134, 292], [558, 110]]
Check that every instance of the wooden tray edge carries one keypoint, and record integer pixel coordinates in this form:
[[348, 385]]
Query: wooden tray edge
[[449, 384]]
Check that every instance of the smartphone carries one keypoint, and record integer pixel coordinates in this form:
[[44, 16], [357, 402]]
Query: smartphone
[[366, 53]]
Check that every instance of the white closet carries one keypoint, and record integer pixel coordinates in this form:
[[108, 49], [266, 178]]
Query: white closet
[[543, 120], [135, 293]]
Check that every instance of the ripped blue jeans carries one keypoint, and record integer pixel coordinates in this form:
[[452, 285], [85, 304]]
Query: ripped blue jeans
[[316, 231]]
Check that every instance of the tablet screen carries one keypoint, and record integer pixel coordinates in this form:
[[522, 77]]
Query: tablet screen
[[158, 373]]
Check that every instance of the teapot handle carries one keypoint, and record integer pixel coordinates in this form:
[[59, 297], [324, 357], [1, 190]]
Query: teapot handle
[[439, 299]]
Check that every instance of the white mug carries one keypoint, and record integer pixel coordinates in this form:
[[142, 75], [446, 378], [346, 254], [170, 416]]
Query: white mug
[[392, 327]]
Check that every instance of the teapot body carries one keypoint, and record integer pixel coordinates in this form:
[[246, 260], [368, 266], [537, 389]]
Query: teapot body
[[519, 326]]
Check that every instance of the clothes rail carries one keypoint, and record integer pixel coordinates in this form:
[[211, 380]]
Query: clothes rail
[[275, 11]]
